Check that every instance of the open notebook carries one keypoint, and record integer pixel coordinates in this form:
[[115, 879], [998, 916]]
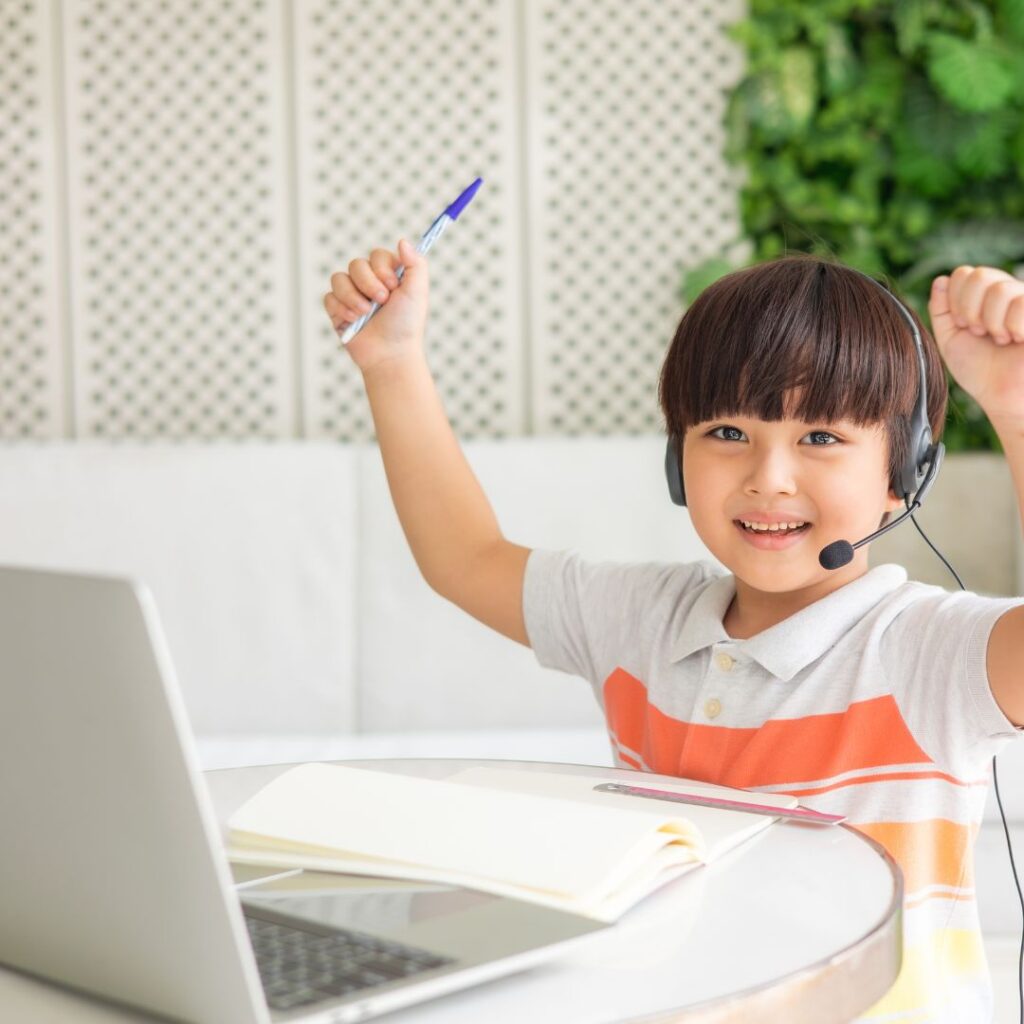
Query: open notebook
[[538, 836]]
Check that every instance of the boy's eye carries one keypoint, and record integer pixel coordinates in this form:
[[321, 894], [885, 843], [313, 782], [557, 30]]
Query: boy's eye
[[812, 433], [714, 433]]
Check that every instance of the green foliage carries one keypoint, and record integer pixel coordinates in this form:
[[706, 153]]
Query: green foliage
[[889, 134]]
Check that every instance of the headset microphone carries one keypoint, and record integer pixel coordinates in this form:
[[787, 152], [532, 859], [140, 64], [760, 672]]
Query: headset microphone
[[840, 552]]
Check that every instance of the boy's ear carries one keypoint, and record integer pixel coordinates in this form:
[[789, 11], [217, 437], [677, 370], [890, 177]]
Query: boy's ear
[[892, 502]]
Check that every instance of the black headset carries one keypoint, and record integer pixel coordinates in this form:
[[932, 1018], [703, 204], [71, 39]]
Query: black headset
[[912, 483]]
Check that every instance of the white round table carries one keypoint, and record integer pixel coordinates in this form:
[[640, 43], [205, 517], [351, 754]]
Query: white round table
[[800, 924]]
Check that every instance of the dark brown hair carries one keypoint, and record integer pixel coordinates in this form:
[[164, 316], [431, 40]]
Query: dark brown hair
[[800, 321]]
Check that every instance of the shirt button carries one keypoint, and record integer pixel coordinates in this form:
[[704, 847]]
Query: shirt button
[[725, 661], [712, 707]]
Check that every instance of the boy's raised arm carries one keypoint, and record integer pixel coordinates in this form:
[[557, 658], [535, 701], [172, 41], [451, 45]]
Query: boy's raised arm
[[445, 515]]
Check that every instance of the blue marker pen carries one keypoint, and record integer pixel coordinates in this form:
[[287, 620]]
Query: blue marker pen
[[432, 235]]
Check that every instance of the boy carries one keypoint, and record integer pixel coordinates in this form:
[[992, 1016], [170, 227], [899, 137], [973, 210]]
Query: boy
[[854, 689]]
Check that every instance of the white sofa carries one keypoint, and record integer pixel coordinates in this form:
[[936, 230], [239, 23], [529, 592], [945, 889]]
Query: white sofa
[[296, 616]]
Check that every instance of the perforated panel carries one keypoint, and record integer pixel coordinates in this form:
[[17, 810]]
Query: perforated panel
[[220, 160], [31, 320], [400, 108], [627, 187], [179, 185]]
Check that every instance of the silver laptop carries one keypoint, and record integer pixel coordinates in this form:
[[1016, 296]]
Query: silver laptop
[[112, 872]]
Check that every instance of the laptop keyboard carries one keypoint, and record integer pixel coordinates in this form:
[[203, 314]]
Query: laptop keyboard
[[301, 963]]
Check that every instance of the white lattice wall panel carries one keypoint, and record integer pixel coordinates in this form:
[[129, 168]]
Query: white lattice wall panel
[[627, 187], [400, 107], [179, 186], [182, 178], [31, 299]]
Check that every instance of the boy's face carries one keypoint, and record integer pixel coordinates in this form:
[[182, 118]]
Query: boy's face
[[833, 476]]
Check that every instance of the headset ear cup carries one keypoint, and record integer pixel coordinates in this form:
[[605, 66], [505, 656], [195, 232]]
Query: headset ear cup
[[915, 468], [673, 472]]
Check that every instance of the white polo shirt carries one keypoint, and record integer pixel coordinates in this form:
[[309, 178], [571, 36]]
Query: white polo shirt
[[873, 702]]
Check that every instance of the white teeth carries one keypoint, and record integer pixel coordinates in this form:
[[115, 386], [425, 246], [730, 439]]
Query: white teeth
[[774, 528]]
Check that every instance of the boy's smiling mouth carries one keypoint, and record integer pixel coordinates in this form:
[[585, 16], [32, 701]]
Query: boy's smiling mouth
[[772, 537]]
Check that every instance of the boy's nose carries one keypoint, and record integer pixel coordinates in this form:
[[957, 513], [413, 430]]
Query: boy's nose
[[771, 473]]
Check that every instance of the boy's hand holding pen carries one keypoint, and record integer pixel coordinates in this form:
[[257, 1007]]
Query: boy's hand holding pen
[[398, 324], [356, 299], [444, 512]]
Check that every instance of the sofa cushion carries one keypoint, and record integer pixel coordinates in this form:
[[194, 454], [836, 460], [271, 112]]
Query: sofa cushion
[[249, 550]]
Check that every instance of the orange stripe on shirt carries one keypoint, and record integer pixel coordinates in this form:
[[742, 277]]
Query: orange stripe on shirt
[[868, 734], [932, 852]]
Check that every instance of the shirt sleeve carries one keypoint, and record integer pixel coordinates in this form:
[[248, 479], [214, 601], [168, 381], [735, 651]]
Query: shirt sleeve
[[937, 648], [585, 618]]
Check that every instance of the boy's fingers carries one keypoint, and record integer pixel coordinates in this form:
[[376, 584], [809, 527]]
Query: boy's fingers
[[373, 280], [969, 289], [338, 311], [995, 306], [1015, 318], [339, 284], [939, 301], [957, 294], [366, 281], [416, 269], [384, 264], [346, 293]]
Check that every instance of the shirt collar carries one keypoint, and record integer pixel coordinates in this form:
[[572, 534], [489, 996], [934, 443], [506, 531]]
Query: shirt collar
[[788, 646]]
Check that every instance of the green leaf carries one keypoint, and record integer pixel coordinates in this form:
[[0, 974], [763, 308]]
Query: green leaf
[[776, 21], [982, 19], [882, 92], [984, 149], [798, 84], [737, 126], [924, 151], [707, 273], [1011, 18], [842, 10], [816, 24], [974, 76], [913, 214], [865, 184], [838, 59], [928, 122], [923, 170], [847, 146], [909, 19], [770, 245], [1017, 151], [763, 102], [746, 32], [971, 242]]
